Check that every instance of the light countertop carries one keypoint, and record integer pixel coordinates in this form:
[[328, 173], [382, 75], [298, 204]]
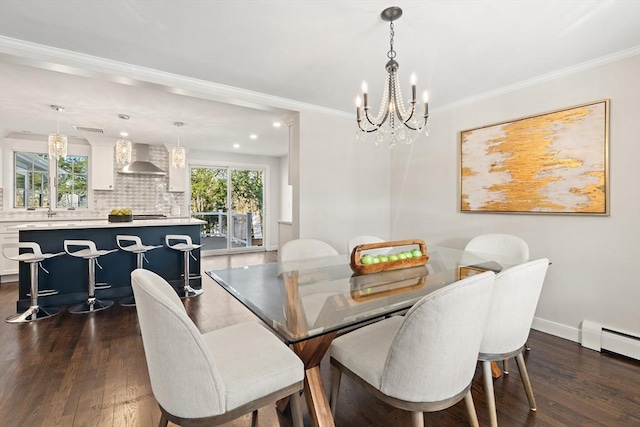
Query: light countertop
[[72, 223], [28, 219]]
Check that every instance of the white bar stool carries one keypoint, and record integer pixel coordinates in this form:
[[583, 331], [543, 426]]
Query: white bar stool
[[185, 246], [139, 249], [34, 259], [91, 254]]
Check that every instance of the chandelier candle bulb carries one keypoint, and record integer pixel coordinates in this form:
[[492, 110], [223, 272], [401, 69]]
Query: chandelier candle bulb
[[425, 98], [413, 81], [365, 97]]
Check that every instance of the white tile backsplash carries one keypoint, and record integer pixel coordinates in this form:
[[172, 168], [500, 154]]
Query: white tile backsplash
[[144, 194]]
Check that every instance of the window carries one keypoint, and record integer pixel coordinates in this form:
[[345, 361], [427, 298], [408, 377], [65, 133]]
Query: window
[[34, 173], [31, 180], [71, 188], [233, 208]]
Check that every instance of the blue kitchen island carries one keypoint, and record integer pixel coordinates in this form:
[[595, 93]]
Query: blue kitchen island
[[69, 275]]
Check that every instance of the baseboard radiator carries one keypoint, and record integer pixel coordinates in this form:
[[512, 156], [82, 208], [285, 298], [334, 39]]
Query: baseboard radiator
[[598, 337]]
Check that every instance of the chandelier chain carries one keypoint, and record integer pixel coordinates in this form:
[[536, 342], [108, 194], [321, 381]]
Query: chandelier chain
[[392, 53]]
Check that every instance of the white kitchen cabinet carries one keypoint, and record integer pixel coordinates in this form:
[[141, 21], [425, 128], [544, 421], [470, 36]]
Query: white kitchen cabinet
[[177, 179], [102, 171], [7, 266]]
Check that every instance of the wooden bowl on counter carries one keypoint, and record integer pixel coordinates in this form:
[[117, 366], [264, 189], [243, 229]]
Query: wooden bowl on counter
[[359, 268], [121, 218]]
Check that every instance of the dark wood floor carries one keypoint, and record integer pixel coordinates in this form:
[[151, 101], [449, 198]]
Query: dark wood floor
[[90, 370]]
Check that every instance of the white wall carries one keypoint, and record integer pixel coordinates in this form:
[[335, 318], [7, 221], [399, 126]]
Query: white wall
[[272, 182], [596, 260], [286, 194], [343, 183]]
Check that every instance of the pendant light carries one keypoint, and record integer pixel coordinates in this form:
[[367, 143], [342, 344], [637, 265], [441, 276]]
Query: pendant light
[[57, 141], [123, 145], [178, 154], [123, 149]]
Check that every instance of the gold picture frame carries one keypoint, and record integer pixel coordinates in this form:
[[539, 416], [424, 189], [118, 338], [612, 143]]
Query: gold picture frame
[[550, 163]]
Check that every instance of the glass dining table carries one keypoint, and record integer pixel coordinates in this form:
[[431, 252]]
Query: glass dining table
[[308, 302]]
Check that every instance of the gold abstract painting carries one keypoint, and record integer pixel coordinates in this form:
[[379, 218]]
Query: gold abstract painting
[[555, 162]]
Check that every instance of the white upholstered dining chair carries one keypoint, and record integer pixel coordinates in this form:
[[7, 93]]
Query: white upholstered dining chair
[[314, 297], [211, 378], [424, 361], [507, 245], [513, 305], [500, 244], [301, 249]]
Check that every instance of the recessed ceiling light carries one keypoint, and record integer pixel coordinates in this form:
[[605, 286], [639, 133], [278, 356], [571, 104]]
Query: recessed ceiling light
[[277, 124], [253, 136], [124, 116], [236, 145], [124, 134]]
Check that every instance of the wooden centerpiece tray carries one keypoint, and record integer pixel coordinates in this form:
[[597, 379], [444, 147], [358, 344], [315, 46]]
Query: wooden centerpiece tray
[[359, 268]]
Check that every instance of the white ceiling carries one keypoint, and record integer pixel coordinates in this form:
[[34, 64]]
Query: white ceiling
[[314, 52]]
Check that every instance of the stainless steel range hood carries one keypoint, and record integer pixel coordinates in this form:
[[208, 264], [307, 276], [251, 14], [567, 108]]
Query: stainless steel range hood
[[142, 165]]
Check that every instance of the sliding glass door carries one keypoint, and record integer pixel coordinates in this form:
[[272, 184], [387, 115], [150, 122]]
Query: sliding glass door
[[231, 201]]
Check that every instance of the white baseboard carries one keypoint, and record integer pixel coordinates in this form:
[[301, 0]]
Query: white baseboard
[[9, 278], [556, 329], [593, 336]]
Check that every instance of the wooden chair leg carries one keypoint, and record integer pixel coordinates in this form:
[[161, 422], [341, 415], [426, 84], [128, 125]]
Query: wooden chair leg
[[505, 366], [488, 393], [296, 409], [336, 376], [417, 419], [471, 410], [254, 418], [524, 375], [163, 421]]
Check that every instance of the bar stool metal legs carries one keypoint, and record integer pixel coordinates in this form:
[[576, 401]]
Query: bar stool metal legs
[[186, 245], [91, 254], [34, 259], [92, 303], [187, 291], [137, 248]]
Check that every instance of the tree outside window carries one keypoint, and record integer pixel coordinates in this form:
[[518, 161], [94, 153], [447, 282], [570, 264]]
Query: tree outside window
[[33, 177], [210, 199], [72, 182]]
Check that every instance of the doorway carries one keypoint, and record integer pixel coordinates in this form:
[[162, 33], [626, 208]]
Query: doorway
[[231, 202]]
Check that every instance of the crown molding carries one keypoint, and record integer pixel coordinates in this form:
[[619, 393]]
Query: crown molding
[[614, 57], [75, 63], [66, 61]]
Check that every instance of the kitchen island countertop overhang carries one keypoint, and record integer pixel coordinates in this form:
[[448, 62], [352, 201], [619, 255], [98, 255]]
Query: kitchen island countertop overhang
[[103, 223]]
